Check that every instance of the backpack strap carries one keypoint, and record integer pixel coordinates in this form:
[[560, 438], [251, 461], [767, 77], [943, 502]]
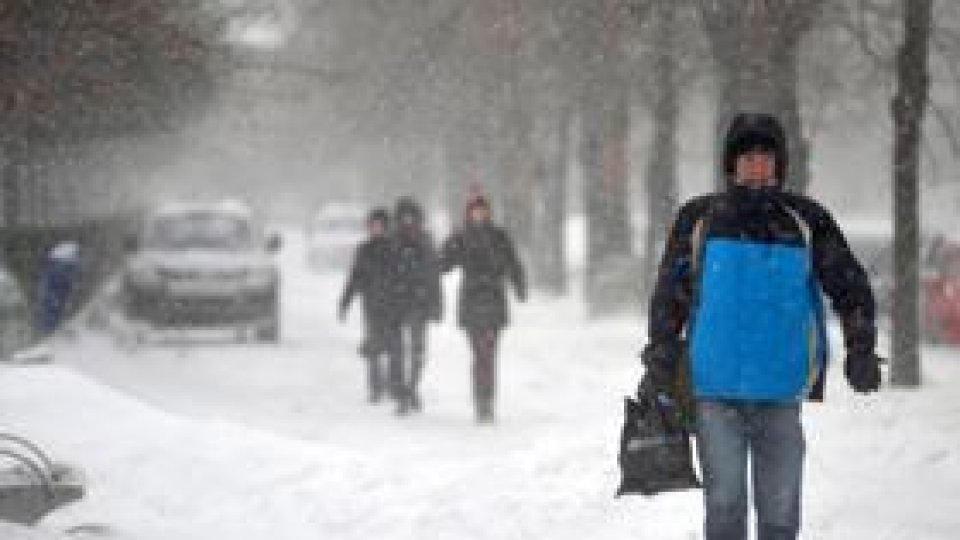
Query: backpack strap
[[805, 230], [698, 240], [819, 347], [698, 245]]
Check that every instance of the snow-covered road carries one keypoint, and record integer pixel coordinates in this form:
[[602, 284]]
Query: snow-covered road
[[214, 440]]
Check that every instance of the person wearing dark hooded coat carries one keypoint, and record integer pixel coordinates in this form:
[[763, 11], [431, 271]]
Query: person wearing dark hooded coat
[[487, 258], [371, 276], [737, 300], [418, 299], [60, 277]]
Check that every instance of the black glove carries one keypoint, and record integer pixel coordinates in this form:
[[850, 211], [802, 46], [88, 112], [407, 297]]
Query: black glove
[[662, 361], [863, 371]]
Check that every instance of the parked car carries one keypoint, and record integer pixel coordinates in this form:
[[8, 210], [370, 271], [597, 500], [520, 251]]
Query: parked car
[[333, 234], [204, 265], [939, 279]]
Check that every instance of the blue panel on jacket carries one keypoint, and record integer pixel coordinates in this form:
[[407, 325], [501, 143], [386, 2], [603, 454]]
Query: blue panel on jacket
[[756, 334]]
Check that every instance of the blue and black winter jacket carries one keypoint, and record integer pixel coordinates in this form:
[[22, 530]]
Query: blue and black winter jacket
[[741, 281]]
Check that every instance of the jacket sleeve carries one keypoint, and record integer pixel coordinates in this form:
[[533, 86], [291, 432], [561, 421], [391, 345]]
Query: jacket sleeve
[[435, 288], [514, 267], [354, 282], [844, 281], [451, 253], [672, 297]]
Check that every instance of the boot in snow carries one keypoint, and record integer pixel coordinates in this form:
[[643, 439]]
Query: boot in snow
[[484, 412], [415, 404], [404, 404], [415, 375]]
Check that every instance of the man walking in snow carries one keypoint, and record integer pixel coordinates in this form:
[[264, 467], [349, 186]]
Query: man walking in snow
[[372, 277], [737, 296], [418, 299], [487, 257]]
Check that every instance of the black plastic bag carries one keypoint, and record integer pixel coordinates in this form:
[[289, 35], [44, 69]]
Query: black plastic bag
[[655, 451]]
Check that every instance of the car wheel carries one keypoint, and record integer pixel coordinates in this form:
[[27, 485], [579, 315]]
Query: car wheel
[[241, 335], [270, 332], [140, 337]]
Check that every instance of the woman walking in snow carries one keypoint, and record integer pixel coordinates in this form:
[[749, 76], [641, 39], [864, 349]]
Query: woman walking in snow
[[485, 254]]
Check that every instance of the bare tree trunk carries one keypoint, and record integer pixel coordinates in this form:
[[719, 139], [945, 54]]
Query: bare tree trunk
[[756, 46], [516, 144], [459, 169], [604, 125], [17, 166], [661, 177], [551, 258], [519, 168], [908, 108]]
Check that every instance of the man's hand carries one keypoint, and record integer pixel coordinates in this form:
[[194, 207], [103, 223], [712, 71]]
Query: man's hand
[[342, 313], [863, 371]]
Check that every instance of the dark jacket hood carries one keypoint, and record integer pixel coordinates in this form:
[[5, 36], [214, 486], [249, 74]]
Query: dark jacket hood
[[406, 206], [379, 214], [755, 130]]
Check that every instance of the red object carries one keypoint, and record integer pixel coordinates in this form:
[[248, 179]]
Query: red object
[[941, 296]]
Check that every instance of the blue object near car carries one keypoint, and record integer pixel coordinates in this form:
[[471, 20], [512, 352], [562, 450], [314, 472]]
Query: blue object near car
[[59, 276]]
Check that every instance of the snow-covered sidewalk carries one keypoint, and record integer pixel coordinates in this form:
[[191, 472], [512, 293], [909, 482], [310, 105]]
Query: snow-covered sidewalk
[[221, 441]]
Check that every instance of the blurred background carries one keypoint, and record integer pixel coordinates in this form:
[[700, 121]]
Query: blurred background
[[601, 114]]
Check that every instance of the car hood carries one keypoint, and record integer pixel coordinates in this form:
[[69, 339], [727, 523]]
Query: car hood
[[202, 260], [338, 239]]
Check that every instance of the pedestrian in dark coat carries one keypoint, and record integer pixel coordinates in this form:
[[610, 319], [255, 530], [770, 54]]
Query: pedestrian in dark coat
[[372, 276], [418, 299], [487, 258], [738, 298], [60, 278]]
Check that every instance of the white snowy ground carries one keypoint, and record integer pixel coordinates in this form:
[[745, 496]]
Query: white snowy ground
[[217, 441]]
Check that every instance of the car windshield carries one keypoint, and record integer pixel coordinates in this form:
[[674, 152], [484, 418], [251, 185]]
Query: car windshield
[[200, 230]]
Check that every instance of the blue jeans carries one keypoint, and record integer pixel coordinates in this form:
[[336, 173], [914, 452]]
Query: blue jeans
[[770, 437]]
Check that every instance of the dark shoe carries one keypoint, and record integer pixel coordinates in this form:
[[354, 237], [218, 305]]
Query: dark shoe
[[485, 418], [375, 398], [403, 407]]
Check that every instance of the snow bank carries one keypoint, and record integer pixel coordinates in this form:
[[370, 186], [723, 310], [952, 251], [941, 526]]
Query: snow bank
[[9, 531]]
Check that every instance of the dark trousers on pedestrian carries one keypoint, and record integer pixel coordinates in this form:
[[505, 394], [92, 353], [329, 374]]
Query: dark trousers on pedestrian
[[375, 347], [407, 346], [768, 439], [483, 342]]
